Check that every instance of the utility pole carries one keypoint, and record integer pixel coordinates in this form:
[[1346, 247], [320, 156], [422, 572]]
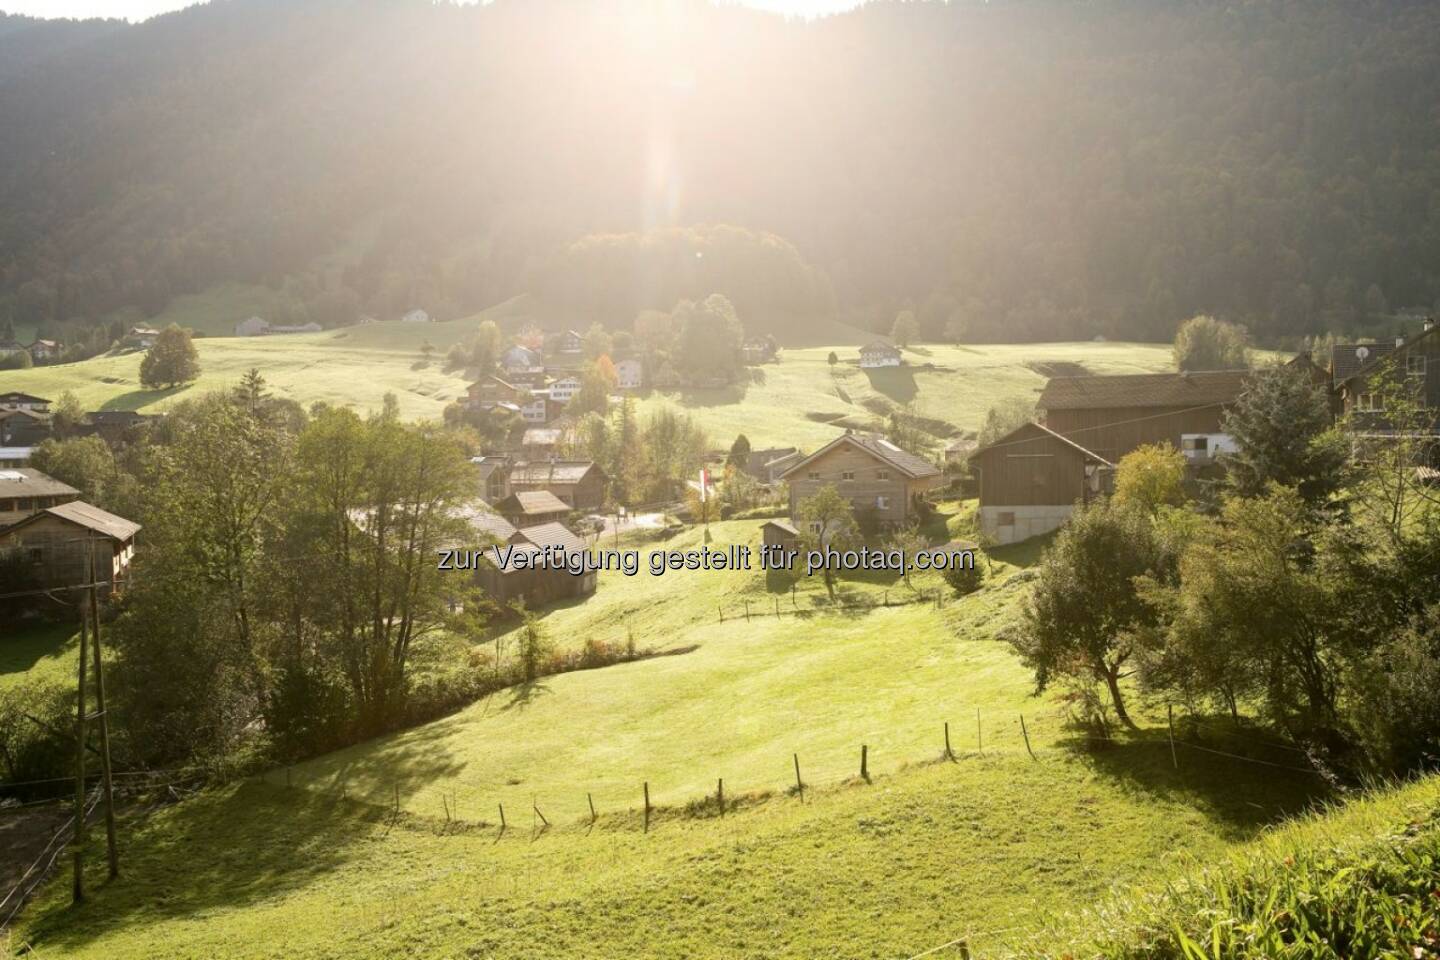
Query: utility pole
[[77, 889], [106, 783]]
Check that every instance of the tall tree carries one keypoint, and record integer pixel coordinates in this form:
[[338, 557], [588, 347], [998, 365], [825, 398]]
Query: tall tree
[[172, 361], [1283, 435], [1205, 343], [827, 522]]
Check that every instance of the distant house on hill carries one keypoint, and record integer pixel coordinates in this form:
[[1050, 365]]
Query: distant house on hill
[[533, 585], [579, 484], [759, 349], [492, 391], [416, 316], [25, 492], [142, 337], [540, 408], [1112, 415], [252, 327], [1032, 478], [519, 358], [879, 354], [630, 374], [42, 351], [530, 508], [881, 481], [61, 541]]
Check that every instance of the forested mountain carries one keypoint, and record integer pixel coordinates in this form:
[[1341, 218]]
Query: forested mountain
[[1032, 168]]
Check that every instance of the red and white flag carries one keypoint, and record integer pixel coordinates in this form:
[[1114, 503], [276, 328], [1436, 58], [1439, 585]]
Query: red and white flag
[[704, 485]]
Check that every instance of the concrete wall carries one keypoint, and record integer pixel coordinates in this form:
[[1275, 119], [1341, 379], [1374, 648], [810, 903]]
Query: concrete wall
[[1029, 521]]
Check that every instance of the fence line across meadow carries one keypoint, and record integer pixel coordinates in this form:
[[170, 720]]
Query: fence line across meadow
[[478, 803]]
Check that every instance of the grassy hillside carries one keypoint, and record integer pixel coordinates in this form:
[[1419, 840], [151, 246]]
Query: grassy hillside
[[801, 401], [311, 862]]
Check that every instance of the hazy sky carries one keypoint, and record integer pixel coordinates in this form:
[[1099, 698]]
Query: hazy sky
[[141, 9]]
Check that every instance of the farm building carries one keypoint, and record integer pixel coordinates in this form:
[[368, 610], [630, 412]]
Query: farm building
[[43, 350], [252, 327], [1111, 416], [579, 484], [879, 354], [142, 337], [25, 492], [564, 389], [23, 401], [540, 408], [1031, 479], [630, 374], [537, 585], [59, 541], [518, 359], [494, 477], [767, 465], [531, 508], [1359, 369], [883, 482], [569, 342], [492, 391], [416, 316], [779, 533], [23, 428]]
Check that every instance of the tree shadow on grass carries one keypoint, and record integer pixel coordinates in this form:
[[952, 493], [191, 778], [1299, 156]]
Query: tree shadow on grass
[[1239, 796], [524, 694], [136, 399], [897, 383]]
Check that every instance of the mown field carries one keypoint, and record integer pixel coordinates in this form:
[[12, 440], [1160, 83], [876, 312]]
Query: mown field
[[313, 861], [800, 401]]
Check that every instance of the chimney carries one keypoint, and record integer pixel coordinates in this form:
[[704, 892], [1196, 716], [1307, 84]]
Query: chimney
[[1399, 342], [1427, 324]]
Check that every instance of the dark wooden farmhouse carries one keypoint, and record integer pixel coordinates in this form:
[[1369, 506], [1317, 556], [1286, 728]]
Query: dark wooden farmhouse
[[1360, 372], [60, 541], [1031, 480], [531, 508], [579, 484], [25, 492]]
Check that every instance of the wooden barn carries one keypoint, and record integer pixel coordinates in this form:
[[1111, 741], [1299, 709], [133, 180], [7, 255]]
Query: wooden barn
[[1032, 478]]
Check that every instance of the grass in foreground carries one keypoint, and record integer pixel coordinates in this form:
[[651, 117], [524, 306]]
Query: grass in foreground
[[43, 652]]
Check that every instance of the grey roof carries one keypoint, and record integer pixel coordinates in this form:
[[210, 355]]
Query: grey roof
[[18, 397], [532, 502], [781, 525], [91, 518], [551, 471], [1379, 353], [1195, 389], [1010, 438], [902, 460], [26, 482], [490, 524], [880, 346], [555, 535]]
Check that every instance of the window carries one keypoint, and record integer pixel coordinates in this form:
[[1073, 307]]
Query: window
[[1006, 519], [37, 554], [814, 475], [847, 475], [814, 526], [1369, 403], [1415, 366], [882, 474], [882, 503], [1195, 444]]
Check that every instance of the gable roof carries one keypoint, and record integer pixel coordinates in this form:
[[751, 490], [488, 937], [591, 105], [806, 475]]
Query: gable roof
[[1379, 353], [781, 525], [541, 437], [882, 450], [532, 503], [491, 524], [18, 397], [551, 471], [27, 482], [555, 535], [1040, 431], [87, 516], [880, 346], [1195, 389]]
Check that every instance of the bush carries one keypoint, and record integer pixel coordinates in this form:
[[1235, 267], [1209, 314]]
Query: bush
[[966, 579]]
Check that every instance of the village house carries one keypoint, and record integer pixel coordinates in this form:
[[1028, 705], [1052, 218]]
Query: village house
[[564, 389], [43, 351], [9, 347], [1358, 369], [768, 465], [12, 457], [530, 508], [569, 343], [534, 584], [63, 541], [540, 443], [23, 428], [489, 392], [779, 533], [629, 374], [759, 349], [23, 401], [879, 354], [416, 316], [24, 492], [493, 473], [532, 380], [1111, 416], [579, 484], [1031, 479], [142, 337], [540, 408], [883, 483], [252, 327], [519, 358]]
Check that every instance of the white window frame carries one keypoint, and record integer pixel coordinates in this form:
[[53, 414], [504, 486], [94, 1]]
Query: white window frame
[[1369, 403], [1415, 365], [882, 474], [882, 502]]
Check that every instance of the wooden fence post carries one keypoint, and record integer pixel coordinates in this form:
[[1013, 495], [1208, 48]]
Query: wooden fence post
[[864, 762], [1170, 721], [979, 739], [540, 815], [1026, 734], [747, 611], [591, 800], [647, 806], [502, 816], [397, 797], [720, 794], [799, 784], [949, 754]]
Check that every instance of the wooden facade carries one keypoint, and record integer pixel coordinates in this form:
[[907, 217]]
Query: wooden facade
[[1414, 363], [59, 541], [1032, 479], [1110, 433], [579, 484]]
